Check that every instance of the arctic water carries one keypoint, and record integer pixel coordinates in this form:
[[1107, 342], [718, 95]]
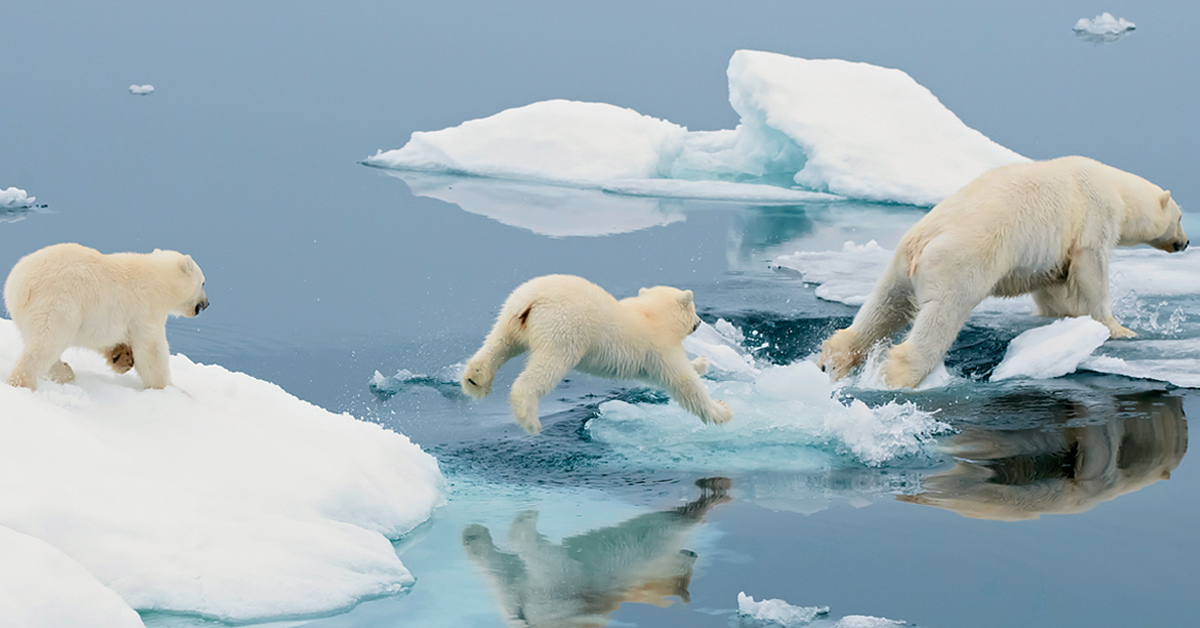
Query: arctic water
[[1060, 502]]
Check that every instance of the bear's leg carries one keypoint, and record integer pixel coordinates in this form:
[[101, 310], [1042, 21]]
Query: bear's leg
[[481, 368], [151, 359], [687, 389], [545, 367], [38, 359], [1088, 281], [934, 330], [61, 373], [1054, 301], [888, 308]]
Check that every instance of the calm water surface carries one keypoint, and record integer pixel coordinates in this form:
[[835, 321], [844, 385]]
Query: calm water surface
[[322, 271]]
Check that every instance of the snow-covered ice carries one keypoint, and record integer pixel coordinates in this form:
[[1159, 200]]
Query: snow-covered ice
[[847, 276], [15, 198], [1051, 350], [851, 129], [225, 497], [722, 345], [40, 587], [1103, 28], [141, 90], [779, 611]]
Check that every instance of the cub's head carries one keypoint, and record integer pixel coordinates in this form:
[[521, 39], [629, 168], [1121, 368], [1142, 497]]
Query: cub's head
[[674, 308], [187, 283], [1164, 226]]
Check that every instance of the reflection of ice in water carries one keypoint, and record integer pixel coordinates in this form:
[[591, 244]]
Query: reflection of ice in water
[[1103, 28], [1022, 474], [583, 578], [543, 209]]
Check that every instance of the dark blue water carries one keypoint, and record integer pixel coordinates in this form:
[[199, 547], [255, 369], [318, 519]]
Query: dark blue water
[[321, 271]]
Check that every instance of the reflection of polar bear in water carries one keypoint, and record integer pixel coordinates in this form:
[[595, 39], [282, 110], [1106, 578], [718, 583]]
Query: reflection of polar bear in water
[[1022, 474], [567, 322], [1046, 228], [581, 581], [67, 295]]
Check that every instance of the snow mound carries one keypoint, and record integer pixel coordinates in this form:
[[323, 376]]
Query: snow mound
[[225, 497], [141, 90], [37, 580], [1051, 350], [850, 129], [15, 198], [778, 611], [557, 141], [1103, 28]]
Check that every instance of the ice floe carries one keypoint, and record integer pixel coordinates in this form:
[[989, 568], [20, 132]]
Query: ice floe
[[1103, 28], [850, 129], [225, 497], [40, 587], [15, 198], [776, 612], [1051, 350], [141, 90]]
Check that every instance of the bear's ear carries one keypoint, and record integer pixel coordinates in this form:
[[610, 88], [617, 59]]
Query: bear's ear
[[1165, 198], [686, 297], [186, 264], [642, 291], [157, 251]]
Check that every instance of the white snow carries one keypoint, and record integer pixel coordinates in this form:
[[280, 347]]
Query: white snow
[[1183, 372], [1103, 28], [141, 90], [846, 276], [851, 129], [1051, 350], [40, 587], [15, 198], [722, 345], [778, 611], [225, 497]]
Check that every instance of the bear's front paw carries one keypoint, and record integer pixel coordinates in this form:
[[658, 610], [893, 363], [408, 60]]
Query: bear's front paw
[[840, 354], [62, 373], [120, 358], [474, 384], [1117, 330], [701, 365], [718, 412]]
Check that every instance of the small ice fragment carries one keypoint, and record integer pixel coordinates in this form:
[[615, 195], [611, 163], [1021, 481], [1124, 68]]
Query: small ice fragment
[[15, 198], [779, 611], [1051, 350], [1103, 28], [141, 90]]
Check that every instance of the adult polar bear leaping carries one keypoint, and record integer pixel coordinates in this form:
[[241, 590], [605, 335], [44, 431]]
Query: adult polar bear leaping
[[67, 295], [567, 322], [1045, 227]]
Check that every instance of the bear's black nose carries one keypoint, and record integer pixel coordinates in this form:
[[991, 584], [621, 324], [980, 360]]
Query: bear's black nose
[[1179, 246]]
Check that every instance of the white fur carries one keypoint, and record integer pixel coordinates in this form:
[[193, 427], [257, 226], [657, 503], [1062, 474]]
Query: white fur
[[567, 322], [67, 295], [1045, 227]]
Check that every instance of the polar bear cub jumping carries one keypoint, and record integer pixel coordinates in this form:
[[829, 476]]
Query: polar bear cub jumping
[[1046, 227], [67, 295], [567, 322]]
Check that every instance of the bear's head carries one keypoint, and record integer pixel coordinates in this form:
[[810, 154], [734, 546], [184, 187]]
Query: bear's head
[[1160, 225], [673, 308], [187, 283]]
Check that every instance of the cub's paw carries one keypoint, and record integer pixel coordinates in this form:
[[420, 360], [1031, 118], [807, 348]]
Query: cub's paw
[[701, 365], [718, 412], [120, 357], [1117, 330]]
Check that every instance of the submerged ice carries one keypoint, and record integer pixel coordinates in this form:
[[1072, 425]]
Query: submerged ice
[[840, 127], [1103, 28], [224, 497]]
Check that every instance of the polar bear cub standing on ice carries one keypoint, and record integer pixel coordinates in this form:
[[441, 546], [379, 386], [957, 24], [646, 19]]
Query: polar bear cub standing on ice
[[67, 295], [567, 322], [1046, 227]]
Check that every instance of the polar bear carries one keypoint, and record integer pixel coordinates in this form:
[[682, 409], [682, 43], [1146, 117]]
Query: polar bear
[[67, 295], [567, 322], [1045, 227]]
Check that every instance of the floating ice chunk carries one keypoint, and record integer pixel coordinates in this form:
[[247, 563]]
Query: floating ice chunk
[[863, 131], [1103, 28], [866, 621], [1051, 350], [141, 90], [15, 198], [41, 587], [559, 141], [224, 497], [785, 418], [845, 276], [549, 210], [1182, 372], [445, 382], [778, 611], [716, 191]]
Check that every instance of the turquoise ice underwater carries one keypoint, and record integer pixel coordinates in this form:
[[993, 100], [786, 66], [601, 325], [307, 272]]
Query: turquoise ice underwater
[[245, 155]]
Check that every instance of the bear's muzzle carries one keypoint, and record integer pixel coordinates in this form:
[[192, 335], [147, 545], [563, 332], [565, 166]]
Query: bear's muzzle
[[201, 306], [1181, 245]]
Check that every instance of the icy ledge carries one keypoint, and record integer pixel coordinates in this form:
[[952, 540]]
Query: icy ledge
[[828, 125], [225, 497]]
